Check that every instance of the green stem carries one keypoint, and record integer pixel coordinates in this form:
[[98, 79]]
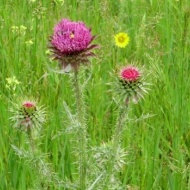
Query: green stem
[[42, 168], [116, 143], [31, 140], [119, 129], [81, 132]]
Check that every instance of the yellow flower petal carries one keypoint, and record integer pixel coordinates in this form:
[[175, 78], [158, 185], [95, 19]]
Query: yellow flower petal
[[121, 39]]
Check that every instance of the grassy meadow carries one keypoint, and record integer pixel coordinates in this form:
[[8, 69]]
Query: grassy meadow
[[157, 134]]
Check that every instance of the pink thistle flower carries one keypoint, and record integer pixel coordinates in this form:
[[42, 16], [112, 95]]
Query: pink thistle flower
[[28, 104], [28, 115], [70, 43], [131, 83], [130, 73]]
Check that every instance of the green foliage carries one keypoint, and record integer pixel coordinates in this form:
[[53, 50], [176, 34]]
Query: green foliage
[[157, 135]]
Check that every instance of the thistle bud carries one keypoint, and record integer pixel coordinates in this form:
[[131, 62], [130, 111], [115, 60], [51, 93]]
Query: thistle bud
[[131, 83], [27, 115]]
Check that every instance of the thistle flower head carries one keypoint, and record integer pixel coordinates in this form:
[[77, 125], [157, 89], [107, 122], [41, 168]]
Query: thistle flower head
[[71, 37], [130, 73], [130, 83], [70, 43], [29, 105], [27, 115]]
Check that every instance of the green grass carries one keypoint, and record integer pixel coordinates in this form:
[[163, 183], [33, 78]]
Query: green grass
[[159, 30]]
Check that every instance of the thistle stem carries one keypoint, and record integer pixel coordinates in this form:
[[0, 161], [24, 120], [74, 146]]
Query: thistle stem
[[116, 143], [81, 132], [119, 129], [31, 140]]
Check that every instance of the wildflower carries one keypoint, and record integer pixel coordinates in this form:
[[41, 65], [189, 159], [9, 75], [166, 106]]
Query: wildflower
[[23, 28], [131, 83], [19, 29], [70, 44], [29, 42], [12, 83], [15, 29], [130, 73], [121, 39], [27, 115]]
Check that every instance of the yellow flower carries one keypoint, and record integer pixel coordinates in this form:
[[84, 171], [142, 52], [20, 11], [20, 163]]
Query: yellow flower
[[23, 28], [29, 42], [15, 29], [121, 39], [48, 52], [12, 83]]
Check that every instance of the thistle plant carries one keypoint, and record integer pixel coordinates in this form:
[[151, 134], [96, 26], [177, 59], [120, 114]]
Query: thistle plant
[[71, 46], [129, 88], [29, 117]]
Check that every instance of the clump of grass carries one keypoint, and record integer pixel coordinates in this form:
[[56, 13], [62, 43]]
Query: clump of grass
[[157, 147]]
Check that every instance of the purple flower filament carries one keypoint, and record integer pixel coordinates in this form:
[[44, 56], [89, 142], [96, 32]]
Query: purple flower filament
[[71, 37]]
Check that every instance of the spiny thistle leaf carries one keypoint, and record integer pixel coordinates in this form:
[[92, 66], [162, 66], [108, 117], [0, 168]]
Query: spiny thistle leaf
[[103, 153]]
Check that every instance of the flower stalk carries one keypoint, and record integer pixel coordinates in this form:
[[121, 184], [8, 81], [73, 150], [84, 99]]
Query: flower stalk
[[81, 132], [119, 128], [116, 140]]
